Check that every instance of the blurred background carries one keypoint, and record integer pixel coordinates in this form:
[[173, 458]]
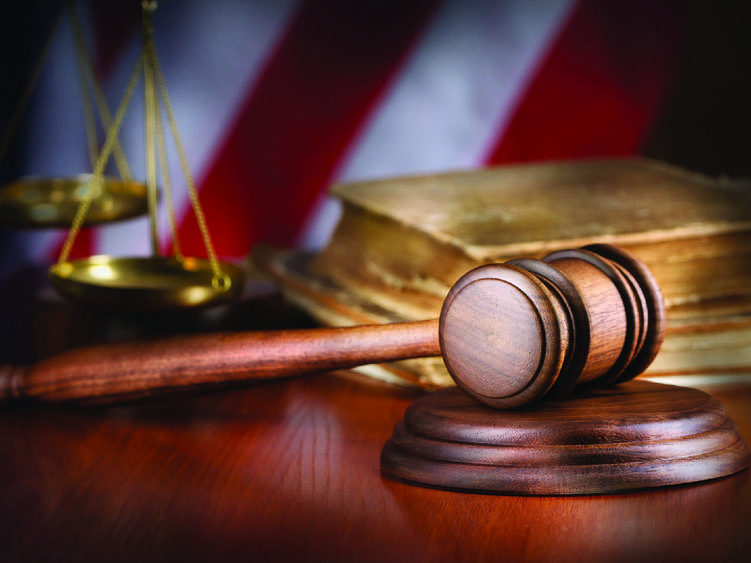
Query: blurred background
[[278, 100]]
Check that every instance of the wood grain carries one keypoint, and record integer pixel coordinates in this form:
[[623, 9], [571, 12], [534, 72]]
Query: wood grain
[[506, 334], [607, 314], [289, 471], [633, 436], [128, 371], [653, 306]]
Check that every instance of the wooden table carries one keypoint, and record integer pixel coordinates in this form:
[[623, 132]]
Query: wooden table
[[289, 471]]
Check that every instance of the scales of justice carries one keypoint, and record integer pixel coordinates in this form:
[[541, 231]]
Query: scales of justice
[[544, 353], [155, 282]]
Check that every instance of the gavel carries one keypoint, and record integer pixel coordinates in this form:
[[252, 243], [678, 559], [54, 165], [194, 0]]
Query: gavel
[[510, 334]]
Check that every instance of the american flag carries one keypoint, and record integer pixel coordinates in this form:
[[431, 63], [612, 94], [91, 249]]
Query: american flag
[[276, 101]]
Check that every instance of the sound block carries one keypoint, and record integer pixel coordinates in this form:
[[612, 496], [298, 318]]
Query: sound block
[[631, 436]]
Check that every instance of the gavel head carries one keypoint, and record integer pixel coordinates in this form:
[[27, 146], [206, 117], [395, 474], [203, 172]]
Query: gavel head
[[513, 333]]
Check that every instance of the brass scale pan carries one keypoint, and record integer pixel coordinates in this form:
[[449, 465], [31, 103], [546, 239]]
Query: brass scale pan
[[37, 202], [109, 281]]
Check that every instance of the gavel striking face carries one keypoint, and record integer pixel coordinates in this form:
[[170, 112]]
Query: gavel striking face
[[514, 333], [510, 334]]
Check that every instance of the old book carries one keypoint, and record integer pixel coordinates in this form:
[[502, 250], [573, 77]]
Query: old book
[[420, 234], [714, 338], [402, 242]]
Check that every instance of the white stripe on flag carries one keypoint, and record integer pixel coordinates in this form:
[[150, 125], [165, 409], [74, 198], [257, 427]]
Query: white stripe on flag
[[459, 89], [212, 55], [455, 95]]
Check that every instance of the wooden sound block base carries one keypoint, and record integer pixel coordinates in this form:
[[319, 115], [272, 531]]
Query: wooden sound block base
[[631, 436]]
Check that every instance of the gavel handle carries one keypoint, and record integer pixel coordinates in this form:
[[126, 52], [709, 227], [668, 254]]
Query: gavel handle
[[113, 373]]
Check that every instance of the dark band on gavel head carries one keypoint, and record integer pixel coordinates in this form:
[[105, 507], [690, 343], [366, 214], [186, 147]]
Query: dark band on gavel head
[[516, 332]]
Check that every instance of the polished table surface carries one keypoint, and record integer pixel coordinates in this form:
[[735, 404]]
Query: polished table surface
[[289, 471]]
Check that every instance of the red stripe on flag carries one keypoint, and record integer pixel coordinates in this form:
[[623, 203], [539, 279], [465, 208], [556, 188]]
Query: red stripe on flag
[[83, 246], [599, 89], [331, 66], [115, 23]]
